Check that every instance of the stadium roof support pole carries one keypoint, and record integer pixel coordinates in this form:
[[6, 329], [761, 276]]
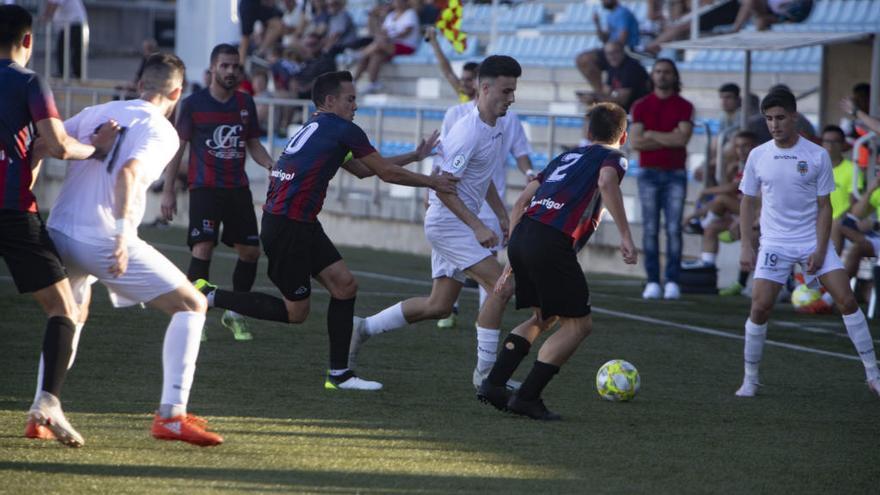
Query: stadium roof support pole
[[747, 90], [695, 19], [47, 52], [874, 105], [493, 29]]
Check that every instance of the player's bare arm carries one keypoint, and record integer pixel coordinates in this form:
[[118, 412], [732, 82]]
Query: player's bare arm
[[677, 138], [169, 195], [823, 234], [521, 203], [259, 153], [126, 181], [497, 205], [747, 217], [55, 142], [442, 61], [639, 139], [862, 207], [484, 234], [393, 174], [422, 151], [613, 200]]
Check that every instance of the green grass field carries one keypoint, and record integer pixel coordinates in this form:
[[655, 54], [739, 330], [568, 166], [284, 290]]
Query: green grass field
[[813, 429]]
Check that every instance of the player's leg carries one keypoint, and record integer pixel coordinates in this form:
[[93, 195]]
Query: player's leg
[[240, 232], [764, 294], [486, 273], [204, 224]]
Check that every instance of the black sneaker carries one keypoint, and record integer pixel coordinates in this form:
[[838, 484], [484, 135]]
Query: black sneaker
[[534, 409], [693, 227], [494, 395]]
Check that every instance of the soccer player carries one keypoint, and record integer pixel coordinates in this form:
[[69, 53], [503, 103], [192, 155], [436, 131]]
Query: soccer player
[[27, 110], [220, 125], [553, 218], [461, 243], [795, 179], [294, 241], [94, 225]]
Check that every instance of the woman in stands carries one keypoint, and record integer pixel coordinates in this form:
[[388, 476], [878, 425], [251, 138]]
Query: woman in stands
[[399, 36]]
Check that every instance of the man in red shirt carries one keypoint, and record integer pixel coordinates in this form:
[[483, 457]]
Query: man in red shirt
[[661, 128]]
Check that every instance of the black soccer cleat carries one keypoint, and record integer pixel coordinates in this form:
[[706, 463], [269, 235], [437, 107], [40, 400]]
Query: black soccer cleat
[[534, 409], [494, 395]]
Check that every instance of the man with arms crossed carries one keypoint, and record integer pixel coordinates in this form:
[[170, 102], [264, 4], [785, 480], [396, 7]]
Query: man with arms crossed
[[795, 179], [294, 241], [220, 125]]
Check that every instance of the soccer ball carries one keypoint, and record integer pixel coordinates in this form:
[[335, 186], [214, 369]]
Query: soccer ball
[[618, 380], [804, 296]]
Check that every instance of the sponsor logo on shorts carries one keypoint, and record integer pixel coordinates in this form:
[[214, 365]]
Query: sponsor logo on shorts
[[458, 161], [802, 167], [282, 175], [208, 226], [548, 203], [302, 290]]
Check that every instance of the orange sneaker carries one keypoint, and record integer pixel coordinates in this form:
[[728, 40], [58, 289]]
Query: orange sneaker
[[37, 431], [186, 428]]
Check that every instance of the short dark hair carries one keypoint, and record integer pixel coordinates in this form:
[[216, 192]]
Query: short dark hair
[[499, 65], [224, 49], [747, 135], [779, 87], [471, 67], [15, 22], [862, 89], [779, 98], [329, 83], [677, 86], [834, 128], [729, 88], [161, 72], [607, 122]]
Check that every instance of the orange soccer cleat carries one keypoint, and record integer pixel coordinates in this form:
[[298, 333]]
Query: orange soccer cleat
[[186, 428], [37, 431]]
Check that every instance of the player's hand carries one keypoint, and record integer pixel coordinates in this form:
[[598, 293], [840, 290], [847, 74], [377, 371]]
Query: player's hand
[[169, 205], [847, 106], [628, 251], [430, 34], [119, 257], [104, 137], [504, 223], [815, 261], [426, 146], [443, 183], [502, 280], [747, 258], [485, 236]]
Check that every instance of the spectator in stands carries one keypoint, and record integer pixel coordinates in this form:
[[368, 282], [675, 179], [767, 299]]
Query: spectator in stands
[[295, 15], [769, 12], [465, 85], [721, 14], [265, 11], [662, 123], [149, 46], [861, 98], [731, 102], [859, 126], [625, 79], [400, 35], [758, 125], [62, 13], [862, 230], [834, 142], [860, 116], [341, 31], [729, 98], [313, 63], [623, 28]]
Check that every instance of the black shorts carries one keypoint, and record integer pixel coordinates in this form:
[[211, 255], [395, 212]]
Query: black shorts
[[233, 208], [721, 15], [297, 251], [28, 251], [547, 272], [251, 11]]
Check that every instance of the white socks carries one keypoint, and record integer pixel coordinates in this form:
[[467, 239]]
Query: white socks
[[179, 353], [754, 348], [708, 219], [487, 348], [388, 319], [708, 258], [76, 334], [857, 329]]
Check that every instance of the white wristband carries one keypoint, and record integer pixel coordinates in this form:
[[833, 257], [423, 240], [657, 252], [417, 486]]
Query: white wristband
[[121, 226], [531, 173]]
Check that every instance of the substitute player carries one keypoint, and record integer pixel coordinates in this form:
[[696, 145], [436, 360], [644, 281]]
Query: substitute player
[[94, 225], [294, 241], [553, 218], [27, 110], [461, 243], [220, 125], [795, 179]]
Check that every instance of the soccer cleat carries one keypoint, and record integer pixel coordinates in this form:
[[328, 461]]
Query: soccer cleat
[[693, 226], [671, 291], [186, 428], [494, 395], [695, 265], [733, 289], [359, 335], [748, 388], [37, 431], [874, 386], [534, 409], [206, 288], [47, 412], [449, 322], [652, 291], [817, 307], [350, 381], [477, 377], [237, 325]]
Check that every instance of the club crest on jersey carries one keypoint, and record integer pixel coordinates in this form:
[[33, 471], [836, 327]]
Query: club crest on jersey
[[458, 162], [802, 167], [244, 116]]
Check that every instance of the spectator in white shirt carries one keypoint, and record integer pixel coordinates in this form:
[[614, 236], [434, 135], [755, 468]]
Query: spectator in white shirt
[[399, 36]]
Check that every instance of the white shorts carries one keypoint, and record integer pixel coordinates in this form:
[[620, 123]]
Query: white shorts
[[454, 247], [774, 263], [149, 274], [490, 219]]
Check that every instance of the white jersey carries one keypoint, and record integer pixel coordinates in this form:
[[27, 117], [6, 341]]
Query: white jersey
[[84, 208], [789, 180]]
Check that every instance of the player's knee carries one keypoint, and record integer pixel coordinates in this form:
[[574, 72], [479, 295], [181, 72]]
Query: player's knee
[[193, 301], [297, 315], [345, 289], [203, 250], [847, 305], [250, 254], [438, 309]]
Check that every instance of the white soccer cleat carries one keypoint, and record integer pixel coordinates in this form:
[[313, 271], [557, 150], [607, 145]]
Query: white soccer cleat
[[47, 412], [748, 389], [359, 335], [350, 381], [652, 291], [874, 386], [671, 291], [512, 385]]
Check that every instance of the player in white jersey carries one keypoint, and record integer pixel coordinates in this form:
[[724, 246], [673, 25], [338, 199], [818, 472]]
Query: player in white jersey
[[794, 178], [94, 226], [461, 243]]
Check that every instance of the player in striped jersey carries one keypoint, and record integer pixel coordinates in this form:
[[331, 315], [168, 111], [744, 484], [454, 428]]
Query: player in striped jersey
[[294, 241], [552, 220]]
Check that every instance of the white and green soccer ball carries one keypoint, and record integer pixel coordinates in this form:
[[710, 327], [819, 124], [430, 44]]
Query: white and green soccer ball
[[618, 380], [802, 296]]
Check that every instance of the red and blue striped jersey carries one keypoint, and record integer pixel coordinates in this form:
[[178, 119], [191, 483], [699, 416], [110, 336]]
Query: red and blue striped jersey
[[568, 198], [25, 99], [299, 180], [217, 133]]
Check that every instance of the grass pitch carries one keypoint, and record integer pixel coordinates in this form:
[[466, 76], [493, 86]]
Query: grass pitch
[[813, 429]]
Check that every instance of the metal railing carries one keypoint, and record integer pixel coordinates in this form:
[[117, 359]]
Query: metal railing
[[65, 34]]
